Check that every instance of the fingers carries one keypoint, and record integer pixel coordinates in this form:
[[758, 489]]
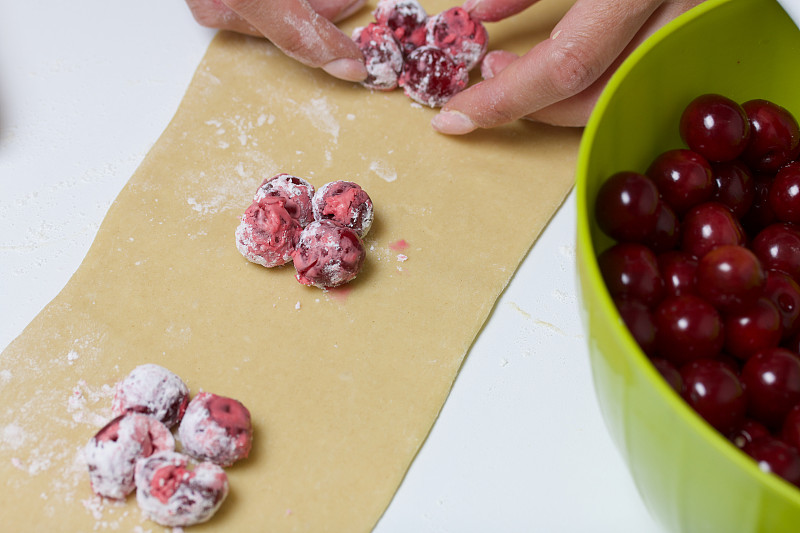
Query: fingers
[[336, 10], [302, 29], [583, 45], [494, 10], [215, 14], [575, 111], [495, 61]]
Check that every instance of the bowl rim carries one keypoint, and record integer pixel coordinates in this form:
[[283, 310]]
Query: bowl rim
[[604, 300]]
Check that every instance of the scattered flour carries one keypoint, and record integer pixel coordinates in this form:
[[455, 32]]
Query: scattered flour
[[383, 170], [320, 113]]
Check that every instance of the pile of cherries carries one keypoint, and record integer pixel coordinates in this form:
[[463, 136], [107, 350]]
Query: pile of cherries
[[706, 267], [428, 56]]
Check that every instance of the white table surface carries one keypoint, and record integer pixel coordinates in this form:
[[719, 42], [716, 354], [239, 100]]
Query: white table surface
[[86, 89]]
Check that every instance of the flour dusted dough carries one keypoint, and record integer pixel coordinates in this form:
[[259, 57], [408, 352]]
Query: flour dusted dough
[[343, 386]]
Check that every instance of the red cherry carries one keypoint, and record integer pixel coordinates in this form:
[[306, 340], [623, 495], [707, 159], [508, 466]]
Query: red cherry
[[778, 248], [687, 328], [626, 207], [784, 292], [747, 432], [631, 272], [790, 432], [678, 271], [784, 193], [707, 226], [714, 391], [715, 126], [668, 371], [776, 457], [774, 136], [683, 178], [666, 235], [734, 186], [730, 277], [760, 214], [639, 321], [753, 328], [771, 378]]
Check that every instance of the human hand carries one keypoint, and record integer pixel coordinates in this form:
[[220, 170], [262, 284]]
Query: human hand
[[303, 29], [559, 80]]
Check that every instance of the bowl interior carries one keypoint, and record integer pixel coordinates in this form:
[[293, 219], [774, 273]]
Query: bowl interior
[[689, 476]]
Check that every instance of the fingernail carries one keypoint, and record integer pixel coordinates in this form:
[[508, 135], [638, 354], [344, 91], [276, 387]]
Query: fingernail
[[346, 69], [349, 10], [452, 123], [469, 5]]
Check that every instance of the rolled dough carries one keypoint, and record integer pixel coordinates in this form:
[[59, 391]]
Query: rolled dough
[[343, 385]]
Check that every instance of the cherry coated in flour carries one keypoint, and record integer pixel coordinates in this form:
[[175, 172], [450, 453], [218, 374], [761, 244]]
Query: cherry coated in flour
[[153, 390], [217, 429], [112, 453], [328, 255], [173, 490], [383, 56]]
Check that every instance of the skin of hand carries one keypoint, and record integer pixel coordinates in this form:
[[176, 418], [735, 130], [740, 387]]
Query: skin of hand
[[559, 80], [303, 29]]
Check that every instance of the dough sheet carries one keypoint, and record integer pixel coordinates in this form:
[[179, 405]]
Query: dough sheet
[[343, 385]]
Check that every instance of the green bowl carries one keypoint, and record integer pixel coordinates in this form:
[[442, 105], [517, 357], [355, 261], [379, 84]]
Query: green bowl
[[689, 476]]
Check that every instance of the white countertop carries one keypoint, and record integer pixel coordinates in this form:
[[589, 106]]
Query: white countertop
[[85, 91]]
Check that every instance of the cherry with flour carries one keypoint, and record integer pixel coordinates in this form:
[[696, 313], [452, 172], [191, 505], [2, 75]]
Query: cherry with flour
[[112, 453], [431, 77], [328, 255], [464, 38], [217, 429], [383, 56], [153, 390], [173, 490]]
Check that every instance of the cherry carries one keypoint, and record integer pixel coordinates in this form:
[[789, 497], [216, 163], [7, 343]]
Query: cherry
[[792, 343], [776, 457], [383, 55], [752, 329], [715, 126], [790, 432], [683, 178], [707, 226], [778, 248], [626, 207], [714, 391], [678, 270], [229, 414], [639, 320], [748, 431], [406, 18], [459, 34], [733, 186], [784, 193], [730, 277], [784, 292], [666, 235], [774, 136], [760, 214], [631, 271], [431, 77], [771, 378], [668, 371], [687, 328]]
